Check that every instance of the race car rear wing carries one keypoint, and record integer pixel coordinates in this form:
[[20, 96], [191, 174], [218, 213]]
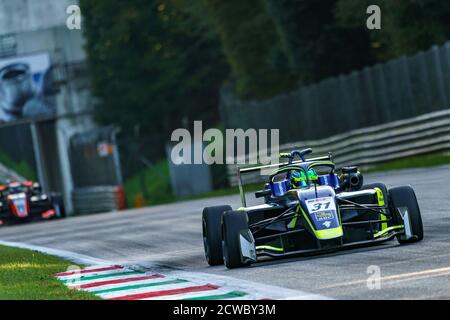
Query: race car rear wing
[[329, 157]]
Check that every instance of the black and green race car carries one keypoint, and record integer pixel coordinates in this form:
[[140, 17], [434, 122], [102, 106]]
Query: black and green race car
[[309, 207]]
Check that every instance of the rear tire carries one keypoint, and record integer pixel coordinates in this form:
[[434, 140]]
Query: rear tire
[[233, 222], [406, 197], [58, 206], [212, 234]]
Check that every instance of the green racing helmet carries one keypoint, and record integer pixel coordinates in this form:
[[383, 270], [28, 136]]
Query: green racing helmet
[[298, 179], [313, 176]]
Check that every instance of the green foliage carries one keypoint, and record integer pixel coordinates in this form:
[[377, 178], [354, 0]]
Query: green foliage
[[26, 275], [407, 26], [317, 47], [415, 25], [352, 14], [155, 63], [153, 183], [22, 168], [252, 47], [151, 64]]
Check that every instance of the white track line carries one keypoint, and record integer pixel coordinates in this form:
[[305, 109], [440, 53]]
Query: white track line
[[226, 284], [409, 276], [67, 255]]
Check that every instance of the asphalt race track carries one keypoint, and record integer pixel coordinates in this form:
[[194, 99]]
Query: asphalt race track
[[170, 235]]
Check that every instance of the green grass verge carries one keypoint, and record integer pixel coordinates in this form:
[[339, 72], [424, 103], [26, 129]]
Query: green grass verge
[[153, 183], [26, 275], [423, 161], [22, 168]]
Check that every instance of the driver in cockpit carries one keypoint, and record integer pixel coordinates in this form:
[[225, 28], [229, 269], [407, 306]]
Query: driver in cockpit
[[298, 178]]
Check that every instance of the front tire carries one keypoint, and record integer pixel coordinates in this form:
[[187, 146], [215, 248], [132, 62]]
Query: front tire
[[406, 197], [212, 234], [233, 222]]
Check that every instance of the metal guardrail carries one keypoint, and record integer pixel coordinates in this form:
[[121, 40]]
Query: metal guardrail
[[377, 144], [98, 199]]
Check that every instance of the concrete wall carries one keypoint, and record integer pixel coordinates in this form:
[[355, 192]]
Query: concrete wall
[[17, 16], [40, 26], [64, 45]]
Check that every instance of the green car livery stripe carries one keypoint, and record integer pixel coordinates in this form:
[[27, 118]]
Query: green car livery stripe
[[269, 248], [384, 231]]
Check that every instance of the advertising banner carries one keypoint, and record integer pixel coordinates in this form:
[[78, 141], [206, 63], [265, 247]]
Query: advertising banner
[[22, 83]]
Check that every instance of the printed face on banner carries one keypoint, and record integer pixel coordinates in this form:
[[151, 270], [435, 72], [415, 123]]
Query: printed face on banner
[[22, 87]]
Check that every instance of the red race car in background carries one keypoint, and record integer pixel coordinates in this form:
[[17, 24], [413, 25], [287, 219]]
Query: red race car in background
[[25, 201]]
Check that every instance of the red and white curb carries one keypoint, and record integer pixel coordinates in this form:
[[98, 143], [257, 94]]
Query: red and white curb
[[121, 283], [131, 282]]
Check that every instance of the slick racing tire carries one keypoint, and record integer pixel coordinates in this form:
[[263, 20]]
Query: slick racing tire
[[405, 197], [212, 233], [58, 206], [233, 222]]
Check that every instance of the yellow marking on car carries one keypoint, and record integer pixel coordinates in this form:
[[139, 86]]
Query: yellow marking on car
[[384, 231], [381, 203], [269, 248]]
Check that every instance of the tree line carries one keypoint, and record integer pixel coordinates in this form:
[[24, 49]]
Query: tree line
[[159, 65]]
